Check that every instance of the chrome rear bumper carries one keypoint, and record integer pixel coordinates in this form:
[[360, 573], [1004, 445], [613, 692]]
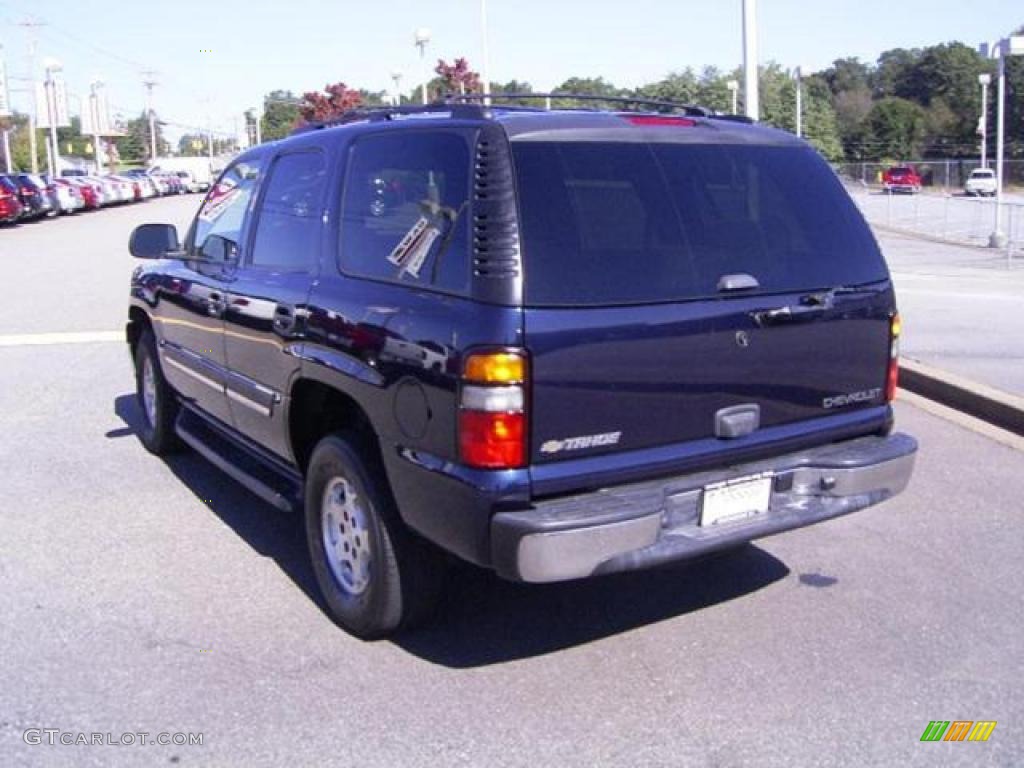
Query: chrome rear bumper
[[645, 524]]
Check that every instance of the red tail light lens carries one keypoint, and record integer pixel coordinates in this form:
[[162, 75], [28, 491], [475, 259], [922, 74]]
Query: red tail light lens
[[492, 440], [892, 376], [492, 415]]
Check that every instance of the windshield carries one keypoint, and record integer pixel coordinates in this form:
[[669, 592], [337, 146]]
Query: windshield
[[622, 223], [982, 174]]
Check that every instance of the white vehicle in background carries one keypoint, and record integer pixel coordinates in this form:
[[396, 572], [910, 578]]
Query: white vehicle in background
[[200, 169], [982, 182], [188, 181]]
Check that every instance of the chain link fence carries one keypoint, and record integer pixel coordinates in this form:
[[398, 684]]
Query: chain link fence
[[949, 218], [948, 175]]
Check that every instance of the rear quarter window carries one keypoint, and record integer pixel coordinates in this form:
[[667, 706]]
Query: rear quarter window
[[404, 209], [621, 223]]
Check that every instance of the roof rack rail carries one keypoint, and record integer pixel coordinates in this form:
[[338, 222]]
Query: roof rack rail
[[734, 118], [689, 109], [383, 113]]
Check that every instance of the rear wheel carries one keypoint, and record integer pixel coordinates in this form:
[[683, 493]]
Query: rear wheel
[[375, 575], [156, 399]]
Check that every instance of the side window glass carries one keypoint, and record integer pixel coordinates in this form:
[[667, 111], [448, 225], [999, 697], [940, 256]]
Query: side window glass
[[404, 215], [289, 221], [218, 226]]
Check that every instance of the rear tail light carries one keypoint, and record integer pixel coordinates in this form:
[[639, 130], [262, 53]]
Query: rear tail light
[[492, 410], [892, 376]]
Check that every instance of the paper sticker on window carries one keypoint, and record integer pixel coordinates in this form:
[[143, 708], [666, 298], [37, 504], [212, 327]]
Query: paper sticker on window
[[215, 206], [412, 251]]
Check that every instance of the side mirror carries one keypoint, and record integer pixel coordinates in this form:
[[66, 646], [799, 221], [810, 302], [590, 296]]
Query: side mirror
[[154, 241]]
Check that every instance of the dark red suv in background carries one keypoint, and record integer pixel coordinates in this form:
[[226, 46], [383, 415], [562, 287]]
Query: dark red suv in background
[[10, 205], [901, 178]]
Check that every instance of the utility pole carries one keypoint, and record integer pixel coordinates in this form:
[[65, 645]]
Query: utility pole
[[149, 82], [751, 98], [30, 26], [50, 86]]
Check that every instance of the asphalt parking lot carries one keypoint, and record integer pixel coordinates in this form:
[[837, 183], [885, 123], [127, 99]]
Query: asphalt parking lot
[[143, 595]]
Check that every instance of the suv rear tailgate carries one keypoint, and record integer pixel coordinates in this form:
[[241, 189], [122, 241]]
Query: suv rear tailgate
[[634, 377]]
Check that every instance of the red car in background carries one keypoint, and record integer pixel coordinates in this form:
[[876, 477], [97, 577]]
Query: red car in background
[[10, 205], [90, 194], [901, 178]]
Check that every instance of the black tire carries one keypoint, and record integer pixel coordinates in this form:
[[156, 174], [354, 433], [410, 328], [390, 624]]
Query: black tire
[[157, 424], [397, 583]]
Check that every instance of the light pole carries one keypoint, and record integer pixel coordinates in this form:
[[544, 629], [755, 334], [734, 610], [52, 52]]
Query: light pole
[[751, 99], [33, 118], [734, 88], [799, 76], [149, 82], [1008, 46], [94, 113], [422, 38], [396, 76], [5, 111], [485, 69], [984, 79], [50, 85]]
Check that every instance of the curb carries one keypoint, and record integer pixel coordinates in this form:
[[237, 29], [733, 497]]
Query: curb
[[987, 403]]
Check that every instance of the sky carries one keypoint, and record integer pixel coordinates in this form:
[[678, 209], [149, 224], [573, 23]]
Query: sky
[[216, 58]]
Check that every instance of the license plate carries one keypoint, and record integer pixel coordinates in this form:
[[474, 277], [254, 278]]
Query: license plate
[[735, 500]]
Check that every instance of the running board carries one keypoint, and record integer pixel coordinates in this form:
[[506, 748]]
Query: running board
[[268, 478]]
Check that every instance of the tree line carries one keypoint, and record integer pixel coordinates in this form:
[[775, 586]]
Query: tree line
[[916, 103]]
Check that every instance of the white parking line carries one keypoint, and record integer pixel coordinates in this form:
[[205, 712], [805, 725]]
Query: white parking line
[[74, 337]]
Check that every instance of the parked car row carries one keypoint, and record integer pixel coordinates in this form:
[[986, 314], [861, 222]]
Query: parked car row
[[32, 196]]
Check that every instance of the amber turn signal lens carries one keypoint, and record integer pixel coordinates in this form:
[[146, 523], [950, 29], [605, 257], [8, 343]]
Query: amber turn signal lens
[[495, 368]]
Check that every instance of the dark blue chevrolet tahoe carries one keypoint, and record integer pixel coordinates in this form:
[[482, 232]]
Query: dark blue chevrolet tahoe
[[555, 344]]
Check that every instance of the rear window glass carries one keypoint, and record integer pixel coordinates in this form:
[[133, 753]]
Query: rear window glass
[[622, 223]]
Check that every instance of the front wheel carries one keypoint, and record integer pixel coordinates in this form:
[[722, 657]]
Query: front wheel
[[156, 399], [376, 576]]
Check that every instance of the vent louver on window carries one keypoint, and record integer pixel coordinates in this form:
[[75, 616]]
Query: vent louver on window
[[495, 227]]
